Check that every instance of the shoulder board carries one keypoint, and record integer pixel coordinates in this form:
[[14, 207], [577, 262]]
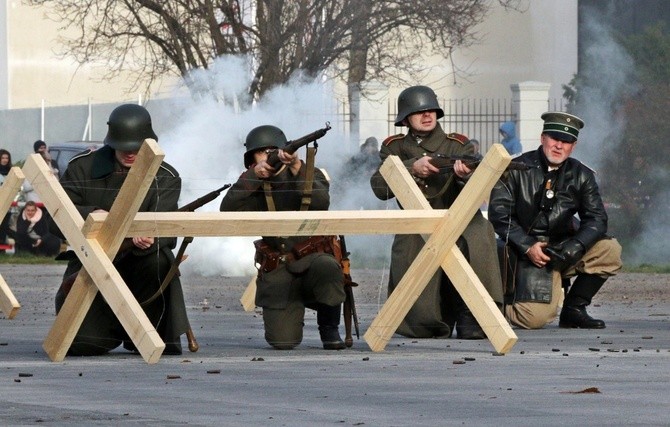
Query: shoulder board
[[460, 138], [80, 155], [392, 138]]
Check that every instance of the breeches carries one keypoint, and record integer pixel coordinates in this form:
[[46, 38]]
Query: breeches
[[603, 259], [321, 283]]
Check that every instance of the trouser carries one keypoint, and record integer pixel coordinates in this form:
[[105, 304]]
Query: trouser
[[603, 260], [321, 283]]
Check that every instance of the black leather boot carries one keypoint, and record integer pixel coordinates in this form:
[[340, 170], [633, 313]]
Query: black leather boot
[[328, 319], [573, 314], [467, 327]]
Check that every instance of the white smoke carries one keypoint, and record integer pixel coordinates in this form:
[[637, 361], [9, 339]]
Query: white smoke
[[206, 145]]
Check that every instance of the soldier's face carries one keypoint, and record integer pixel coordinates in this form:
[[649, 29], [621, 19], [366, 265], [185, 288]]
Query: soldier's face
[[555, 150], [126, 158], [423, 121], [262, 154]]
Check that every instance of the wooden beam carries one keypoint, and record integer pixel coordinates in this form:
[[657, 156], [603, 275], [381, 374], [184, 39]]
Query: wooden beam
[[248, 299], [9, 188], [96, 254], [465, 280], [284, 223], [11, 185], [434, 253], [8, 303]]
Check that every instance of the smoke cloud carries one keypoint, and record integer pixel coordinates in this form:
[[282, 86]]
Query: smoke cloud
[[206, 145]]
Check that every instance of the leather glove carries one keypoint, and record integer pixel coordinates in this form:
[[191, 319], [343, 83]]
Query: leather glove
[[572, 251]]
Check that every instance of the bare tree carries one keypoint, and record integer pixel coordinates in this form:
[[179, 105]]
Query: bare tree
[[347, 39]]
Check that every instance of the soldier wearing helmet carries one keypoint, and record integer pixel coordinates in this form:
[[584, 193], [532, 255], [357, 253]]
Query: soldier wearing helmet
[[293, 272], [92, 180], [439, 308]]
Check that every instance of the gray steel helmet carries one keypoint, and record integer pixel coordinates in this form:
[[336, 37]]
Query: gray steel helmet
[[262, 137], [128, 126], [415, 99]]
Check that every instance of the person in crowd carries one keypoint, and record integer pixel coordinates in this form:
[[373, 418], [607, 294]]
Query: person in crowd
[[293, 272], [40, 147], [509, 140], [439, 308], [92, 180], [553, 221], [27, 189], [5, 166], [31, 232]]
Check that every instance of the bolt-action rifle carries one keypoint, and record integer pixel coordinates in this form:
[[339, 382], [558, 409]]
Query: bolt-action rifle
[[292, 146], [349, 303], [446, 163], [66, 286]]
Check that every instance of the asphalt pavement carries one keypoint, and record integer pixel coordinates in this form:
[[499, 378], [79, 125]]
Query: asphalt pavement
[[616, 376]]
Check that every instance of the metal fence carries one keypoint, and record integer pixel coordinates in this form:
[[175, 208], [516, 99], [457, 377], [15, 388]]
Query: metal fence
[[477, 118]]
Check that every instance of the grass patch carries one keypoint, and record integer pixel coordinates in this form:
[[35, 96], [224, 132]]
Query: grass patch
[[28, 259]]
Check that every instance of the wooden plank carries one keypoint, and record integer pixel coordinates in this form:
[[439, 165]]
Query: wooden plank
[[438, 247], [286, 223], [12, 184], [248, 299], [465, 280], [9, 188], [8, 303], [96, 258]]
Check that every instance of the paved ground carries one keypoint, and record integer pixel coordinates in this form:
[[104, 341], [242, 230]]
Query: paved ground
[[616, 376]]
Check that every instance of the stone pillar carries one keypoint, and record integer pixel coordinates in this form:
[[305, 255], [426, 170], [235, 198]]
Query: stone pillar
[[529, 101], [369, 112]]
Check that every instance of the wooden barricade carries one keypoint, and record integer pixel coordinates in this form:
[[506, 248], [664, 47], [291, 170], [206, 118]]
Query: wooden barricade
[[96, 240], [12, 184]]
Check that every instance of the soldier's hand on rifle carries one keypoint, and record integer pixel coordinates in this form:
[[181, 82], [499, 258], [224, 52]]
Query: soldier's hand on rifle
[[290, 160], [422, 168], [461, 169], [263, 170]]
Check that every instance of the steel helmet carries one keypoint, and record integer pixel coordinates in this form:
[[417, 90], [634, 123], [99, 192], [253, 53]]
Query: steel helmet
[[128, 126], [415, 99], [262, 137]]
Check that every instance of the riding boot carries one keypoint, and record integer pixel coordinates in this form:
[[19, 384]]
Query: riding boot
[[467, 327], [328, 319], [573, 314]]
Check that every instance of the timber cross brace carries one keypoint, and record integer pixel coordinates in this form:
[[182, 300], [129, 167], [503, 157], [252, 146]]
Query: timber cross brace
[[97, 239]]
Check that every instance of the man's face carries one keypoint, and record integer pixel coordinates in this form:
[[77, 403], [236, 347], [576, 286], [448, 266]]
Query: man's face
[[42, 149], [126, 158], [556, 151], [423, 121]]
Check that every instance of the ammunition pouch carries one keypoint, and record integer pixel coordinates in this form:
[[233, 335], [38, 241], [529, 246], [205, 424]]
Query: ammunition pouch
[[268, 259]]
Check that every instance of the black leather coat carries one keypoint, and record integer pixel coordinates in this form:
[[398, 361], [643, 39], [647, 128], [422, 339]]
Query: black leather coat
[[520, 210]]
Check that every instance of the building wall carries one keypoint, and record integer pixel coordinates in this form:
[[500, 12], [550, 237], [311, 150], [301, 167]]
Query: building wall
[[36, 73]]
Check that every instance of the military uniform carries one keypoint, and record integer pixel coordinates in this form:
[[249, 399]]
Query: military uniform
[[433, 313], [315, 281], [92, 181]]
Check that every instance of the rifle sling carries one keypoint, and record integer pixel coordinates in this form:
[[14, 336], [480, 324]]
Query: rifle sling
[[309, 179]]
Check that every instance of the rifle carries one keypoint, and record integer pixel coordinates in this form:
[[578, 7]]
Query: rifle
[[446, 163], [349, 303], [174, 268], [292, 146], [66, 286]]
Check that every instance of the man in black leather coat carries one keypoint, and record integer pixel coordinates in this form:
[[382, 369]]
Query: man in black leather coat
[[554, 223]]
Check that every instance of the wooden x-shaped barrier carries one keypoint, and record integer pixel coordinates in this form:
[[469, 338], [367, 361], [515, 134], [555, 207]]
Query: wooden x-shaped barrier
[[12, 184], [97, 239]]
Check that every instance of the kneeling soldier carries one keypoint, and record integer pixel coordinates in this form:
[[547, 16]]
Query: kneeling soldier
[[293, 272]]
